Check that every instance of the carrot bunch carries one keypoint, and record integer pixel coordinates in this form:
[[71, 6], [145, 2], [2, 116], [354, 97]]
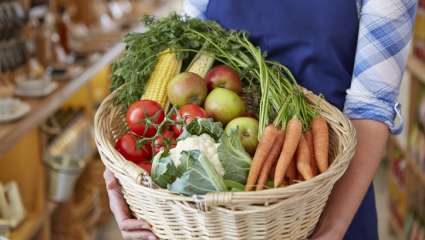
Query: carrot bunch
[[295, 146], [290, 153]]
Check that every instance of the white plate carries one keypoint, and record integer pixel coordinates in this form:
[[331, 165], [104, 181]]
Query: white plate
[[37, 93], [13, 109]]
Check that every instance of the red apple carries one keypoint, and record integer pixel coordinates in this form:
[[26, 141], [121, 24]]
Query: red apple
[[187, 88], [225, 77]]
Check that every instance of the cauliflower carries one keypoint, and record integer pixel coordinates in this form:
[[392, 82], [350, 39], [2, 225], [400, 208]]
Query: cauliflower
[[205, 144]]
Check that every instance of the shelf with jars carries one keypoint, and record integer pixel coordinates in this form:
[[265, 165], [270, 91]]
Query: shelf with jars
[[52, 47]]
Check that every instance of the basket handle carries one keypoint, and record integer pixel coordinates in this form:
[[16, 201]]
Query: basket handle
[[204, 202]]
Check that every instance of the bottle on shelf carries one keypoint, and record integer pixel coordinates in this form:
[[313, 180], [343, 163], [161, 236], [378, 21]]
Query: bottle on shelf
[[42, 42], [62, 28]]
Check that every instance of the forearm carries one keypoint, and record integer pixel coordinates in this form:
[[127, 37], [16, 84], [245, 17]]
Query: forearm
[[349, 191]]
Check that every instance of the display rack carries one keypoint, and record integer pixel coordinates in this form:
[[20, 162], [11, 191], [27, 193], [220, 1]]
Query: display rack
[[412, 176], [21, 142], [34, 222], [44, 107]]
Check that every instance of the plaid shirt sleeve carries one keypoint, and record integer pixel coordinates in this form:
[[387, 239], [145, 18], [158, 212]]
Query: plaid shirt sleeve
[[383, 45]]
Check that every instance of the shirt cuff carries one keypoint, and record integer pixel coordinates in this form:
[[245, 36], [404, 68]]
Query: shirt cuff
[[357, 107]]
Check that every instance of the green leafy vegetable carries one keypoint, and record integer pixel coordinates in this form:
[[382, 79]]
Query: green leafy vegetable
[[163, 169], [270, 183], [235, 160], [233, 186], [200, 176], [186, 162], [200, 126], [186, 36]]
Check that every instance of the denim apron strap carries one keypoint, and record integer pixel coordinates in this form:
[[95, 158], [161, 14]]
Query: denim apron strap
[[317, 40]]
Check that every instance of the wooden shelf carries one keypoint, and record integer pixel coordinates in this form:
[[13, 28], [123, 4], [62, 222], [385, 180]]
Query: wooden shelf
[[41, 108], [32, 223], [416, 170], [417, 68]]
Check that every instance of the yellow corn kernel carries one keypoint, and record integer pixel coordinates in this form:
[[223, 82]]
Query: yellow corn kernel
[[164, 71]]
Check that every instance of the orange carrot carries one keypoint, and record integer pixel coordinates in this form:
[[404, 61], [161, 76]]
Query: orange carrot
[[271, 160], [300, 177], [309, 138], [303, 159], [292, 172], [271, 173], [264, 147], [320, 130], [292, 138]]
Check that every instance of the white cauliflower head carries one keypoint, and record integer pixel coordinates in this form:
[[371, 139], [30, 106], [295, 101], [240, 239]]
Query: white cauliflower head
[[205, 144]]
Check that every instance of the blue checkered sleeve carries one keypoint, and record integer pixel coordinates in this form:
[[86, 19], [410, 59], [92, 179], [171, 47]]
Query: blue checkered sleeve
[[382, 49]]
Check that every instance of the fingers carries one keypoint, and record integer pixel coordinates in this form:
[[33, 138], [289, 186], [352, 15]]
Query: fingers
[[117, 203], [110, 180], [134, 225], [131, 229], [140, 235]]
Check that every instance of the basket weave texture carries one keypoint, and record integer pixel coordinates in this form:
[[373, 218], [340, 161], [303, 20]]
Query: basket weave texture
[[283, 213]]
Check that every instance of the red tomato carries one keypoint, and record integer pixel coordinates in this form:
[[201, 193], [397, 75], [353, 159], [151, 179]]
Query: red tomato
[[145, 165], [126, 145], [167, 138], [188, 112], [177, 129], [192, 111], [141, 111]]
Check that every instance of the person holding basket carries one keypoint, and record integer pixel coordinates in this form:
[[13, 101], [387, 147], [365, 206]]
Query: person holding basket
[[353, 53]]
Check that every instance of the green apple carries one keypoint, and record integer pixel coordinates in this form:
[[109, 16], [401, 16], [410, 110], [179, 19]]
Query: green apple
[[248, 132], [187, 88], [224, 105]]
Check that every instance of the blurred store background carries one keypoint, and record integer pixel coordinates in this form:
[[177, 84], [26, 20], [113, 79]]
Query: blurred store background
[[55, 61]]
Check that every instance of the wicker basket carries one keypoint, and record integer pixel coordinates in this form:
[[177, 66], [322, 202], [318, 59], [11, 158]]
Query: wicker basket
[[284, 213]]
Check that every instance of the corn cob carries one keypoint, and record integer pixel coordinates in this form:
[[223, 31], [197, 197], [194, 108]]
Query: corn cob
[[201, 63], [167, 67]]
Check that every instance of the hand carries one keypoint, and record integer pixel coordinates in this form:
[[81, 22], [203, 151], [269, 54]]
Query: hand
[[131, 229]]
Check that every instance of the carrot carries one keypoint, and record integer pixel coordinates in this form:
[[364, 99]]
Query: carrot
[[264, 147], [271, 160], [303, 159], [292, 138], [271, 173], [300, 177], [292, 172], [309, 138], [320, 130]]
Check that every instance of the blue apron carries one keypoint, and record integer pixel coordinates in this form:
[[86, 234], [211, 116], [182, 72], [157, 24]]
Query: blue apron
[[317, 40]]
